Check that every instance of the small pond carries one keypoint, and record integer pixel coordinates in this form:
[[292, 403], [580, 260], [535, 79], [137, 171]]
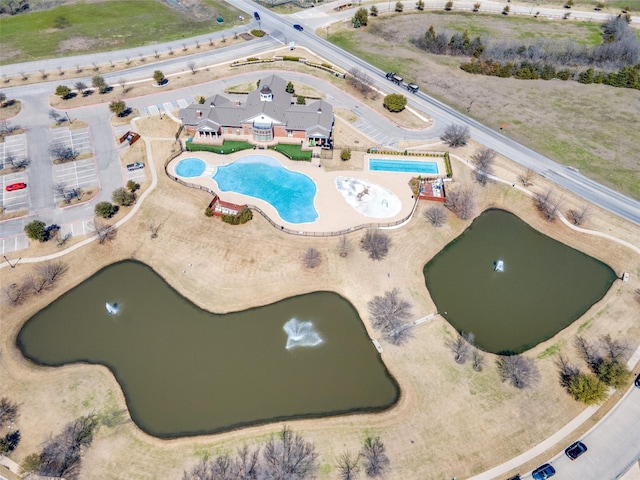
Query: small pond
[[512, 286], [186, 371]]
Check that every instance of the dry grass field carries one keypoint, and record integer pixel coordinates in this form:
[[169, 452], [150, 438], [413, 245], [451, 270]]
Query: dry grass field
[[449, 421]]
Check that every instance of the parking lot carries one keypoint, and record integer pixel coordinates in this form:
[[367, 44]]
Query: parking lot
[[78, 174], [14, 146], [79, 140]]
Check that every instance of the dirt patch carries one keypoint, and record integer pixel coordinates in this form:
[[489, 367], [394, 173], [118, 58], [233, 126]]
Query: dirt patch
[[81, 44]]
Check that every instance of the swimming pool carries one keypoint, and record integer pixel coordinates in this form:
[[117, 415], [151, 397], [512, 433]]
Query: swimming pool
[[292, 194], [408, 166], [190, 167]]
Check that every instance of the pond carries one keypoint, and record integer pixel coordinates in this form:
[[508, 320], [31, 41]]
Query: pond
[[186, 371], [512, 286]]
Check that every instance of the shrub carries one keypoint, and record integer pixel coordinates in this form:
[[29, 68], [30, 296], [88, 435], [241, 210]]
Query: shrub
[[258, 33], [105, 209], [63, 91], [243, 216], [587, 388], [345, 155], [122, 197], [395, 102], [36, 230]]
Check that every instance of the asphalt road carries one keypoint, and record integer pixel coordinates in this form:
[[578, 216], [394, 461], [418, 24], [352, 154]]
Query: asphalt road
[[613, 445]]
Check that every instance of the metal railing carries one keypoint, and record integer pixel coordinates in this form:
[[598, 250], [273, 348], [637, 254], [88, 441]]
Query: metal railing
[[284, 229]]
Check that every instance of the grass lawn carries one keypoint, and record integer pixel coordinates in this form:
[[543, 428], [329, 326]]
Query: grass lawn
[[228, 146], [294, 152], [99, 26]]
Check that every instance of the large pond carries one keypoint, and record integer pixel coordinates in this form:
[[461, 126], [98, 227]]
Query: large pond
[[186, 371], [512, 286]]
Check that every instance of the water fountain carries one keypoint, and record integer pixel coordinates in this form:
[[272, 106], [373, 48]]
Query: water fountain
[[498, 266], [301, 334], [112, 308]]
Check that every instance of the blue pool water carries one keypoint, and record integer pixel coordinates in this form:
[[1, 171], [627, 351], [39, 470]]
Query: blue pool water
[[291, 193], [190, 167], [409, 166]]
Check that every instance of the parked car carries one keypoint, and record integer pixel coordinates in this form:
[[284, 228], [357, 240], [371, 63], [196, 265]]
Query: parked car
[[637, 382], [543, 472], [298, 27], [135, 166], [15, 186], [576, 449], [515, 477], [256, 15]]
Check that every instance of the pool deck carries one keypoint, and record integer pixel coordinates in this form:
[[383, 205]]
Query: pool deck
[[334, 213]]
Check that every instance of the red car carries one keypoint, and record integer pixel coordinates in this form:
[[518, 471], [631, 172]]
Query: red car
[[15, 186]]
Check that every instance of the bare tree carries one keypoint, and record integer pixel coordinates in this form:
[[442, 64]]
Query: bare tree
[[123, 83], [36, 283], [589, 352], [477, 359], [461, 201], [43, 73], [52, 270], [360, 81], [192, 66], [153, 228], [311, 258], [579, 216], [61, 239], [8, 411], [104, 232], [547, 204], [376, 243], [461, 346], [615, 349], [344, 246], [520, 371], [526, 177], [436, 215], [389, 314], [81, 87], [348, 468], [455, 135], [200, 471], [289, 457], [566, 371], [376, 461], [247, 466], [61, 455], [63, 153], [15, 293], [483, 161]]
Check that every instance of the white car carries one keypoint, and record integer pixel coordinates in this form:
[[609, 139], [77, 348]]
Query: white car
[[135, 166]]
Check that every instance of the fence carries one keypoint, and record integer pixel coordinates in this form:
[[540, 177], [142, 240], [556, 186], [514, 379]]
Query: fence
[[284, 229]]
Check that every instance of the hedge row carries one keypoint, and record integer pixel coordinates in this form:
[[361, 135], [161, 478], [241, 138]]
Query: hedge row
[[224, 149]]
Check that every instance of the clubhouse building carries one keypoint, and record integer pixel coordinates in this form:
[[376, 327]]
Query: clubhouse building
[[267, 117]]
